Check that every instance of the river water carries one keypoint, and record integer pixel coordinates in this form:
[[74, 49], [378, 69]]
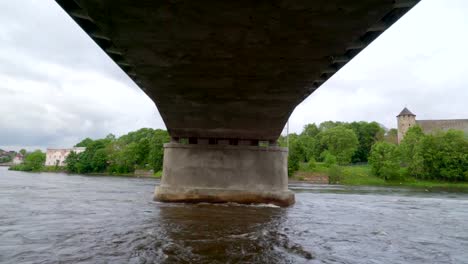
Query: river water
[[59, 218]]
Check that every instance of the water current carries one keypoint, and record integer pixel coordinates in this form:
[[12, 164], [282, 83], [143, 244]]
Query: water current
[[59, 218]]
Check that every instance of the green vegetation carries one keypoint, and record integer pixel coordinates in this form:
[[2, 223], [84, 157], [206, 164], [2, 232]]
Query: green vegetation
[[32, 162], [333, 142], [6, 158], [141, 149], [433, 160], [53, 169], [357, 153], [385, 161], [442, 156], [362, 175], [158, 174], [340, 142]]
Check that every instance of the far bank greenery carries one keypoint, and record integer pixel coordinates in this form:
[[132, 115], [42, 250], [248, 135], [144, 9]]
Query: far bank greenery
[[362, 175], [33, 161], [359, 153], [141, 149], [335, 148]]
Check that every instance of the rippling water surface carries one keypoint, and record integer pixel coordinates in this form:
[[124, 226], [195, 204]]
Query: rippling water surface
[[58, 218]]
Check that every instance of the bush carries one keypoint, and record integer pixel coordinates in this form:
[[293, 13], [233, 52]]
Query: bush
[[409, 143], [329, 159], [335, 174], [295, 156], [443, 156], [385, 161], [311, 165], [18, 167], [158, 174], [53, 169], [32, 162], [293, 165]]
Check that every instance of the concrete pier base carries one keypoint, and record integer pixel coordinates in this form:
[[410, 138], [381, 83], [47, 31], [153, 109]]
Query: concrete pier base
[[224, 173]]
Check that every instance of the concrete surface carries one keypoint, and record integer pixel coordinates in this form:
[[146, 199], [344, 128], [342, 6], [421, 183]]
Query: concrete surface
[[224, 173], [232, 68]]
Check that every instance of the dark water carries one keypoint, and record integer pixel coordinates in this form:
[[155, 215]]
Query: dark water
[[57, 218]]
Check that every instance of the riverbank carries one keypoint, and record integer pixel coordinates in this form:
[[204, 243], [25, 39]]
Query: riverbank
[[355, 175], [361, 175], [54, 169], [156, 175]]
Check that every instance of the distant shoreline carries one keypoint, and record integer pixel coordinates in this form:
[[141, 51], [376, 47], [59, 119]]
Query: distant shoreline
[[102, 174], [361, 175], [351, 175]]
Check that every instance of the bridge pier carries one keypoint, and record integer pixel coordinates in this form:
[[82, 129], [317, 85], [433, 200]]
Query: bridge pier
[[224, 173]]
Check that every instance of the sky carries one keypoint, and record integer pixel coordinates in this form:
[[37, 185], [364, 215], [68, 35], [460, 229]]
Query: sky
[[58, 87]]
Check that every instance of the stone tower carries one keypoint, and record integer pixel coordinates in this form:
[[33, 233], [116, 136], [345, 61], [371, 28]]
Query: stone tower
[[406, 119]]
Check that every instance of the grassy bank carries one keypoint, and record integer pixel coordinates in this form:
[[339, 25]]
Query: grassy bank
[[58, 169], [130, 175], [362, 175], [156, 175]]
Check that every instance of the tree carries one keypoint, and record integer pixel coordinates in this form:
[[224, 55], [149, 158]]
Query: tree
[[6, 158], [110, 137], [84, 143], [442, 156], [34, 161], [329, 124], [367, 134], [23, 152], [295, 154], [409, 143], [385, 160], [72, 162], [307, 146], [310, 130], [99, 160], [340, 142], [282, 141], [93, 159]]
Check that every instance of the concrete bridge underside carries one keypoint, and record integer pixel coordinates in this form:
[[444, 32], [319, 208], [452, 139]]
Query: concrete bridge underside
[[227, 74]]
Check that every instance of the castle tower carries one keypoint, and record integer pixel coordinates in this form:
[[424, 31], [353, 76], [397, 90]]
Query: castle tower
[[406, 119]]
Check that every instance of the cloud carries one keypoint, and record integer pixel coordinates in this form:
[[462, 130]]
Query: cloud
[[419, 62], [57, 86]]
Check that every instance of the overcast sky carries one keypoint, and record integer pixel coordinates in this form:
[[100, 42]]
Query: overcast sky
[[57, 86]]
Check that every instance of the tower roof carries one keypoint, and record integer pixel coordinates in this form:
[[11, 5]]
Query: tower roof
[[405, 111]]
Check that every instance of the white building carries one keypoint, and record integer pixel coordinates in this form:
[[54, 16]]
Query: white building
[[18, 159], [57, 157]]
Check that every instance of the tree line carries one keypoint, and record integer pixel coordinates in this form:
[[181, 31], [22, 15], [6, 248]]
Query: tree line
[[141, 149], [8, 156], [33, 161], [334, 142], [438, 156]]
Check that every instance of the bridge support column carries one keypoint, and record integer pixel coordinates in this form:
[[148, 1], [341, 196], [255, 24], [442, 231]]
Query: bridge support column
[[224, 173]]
